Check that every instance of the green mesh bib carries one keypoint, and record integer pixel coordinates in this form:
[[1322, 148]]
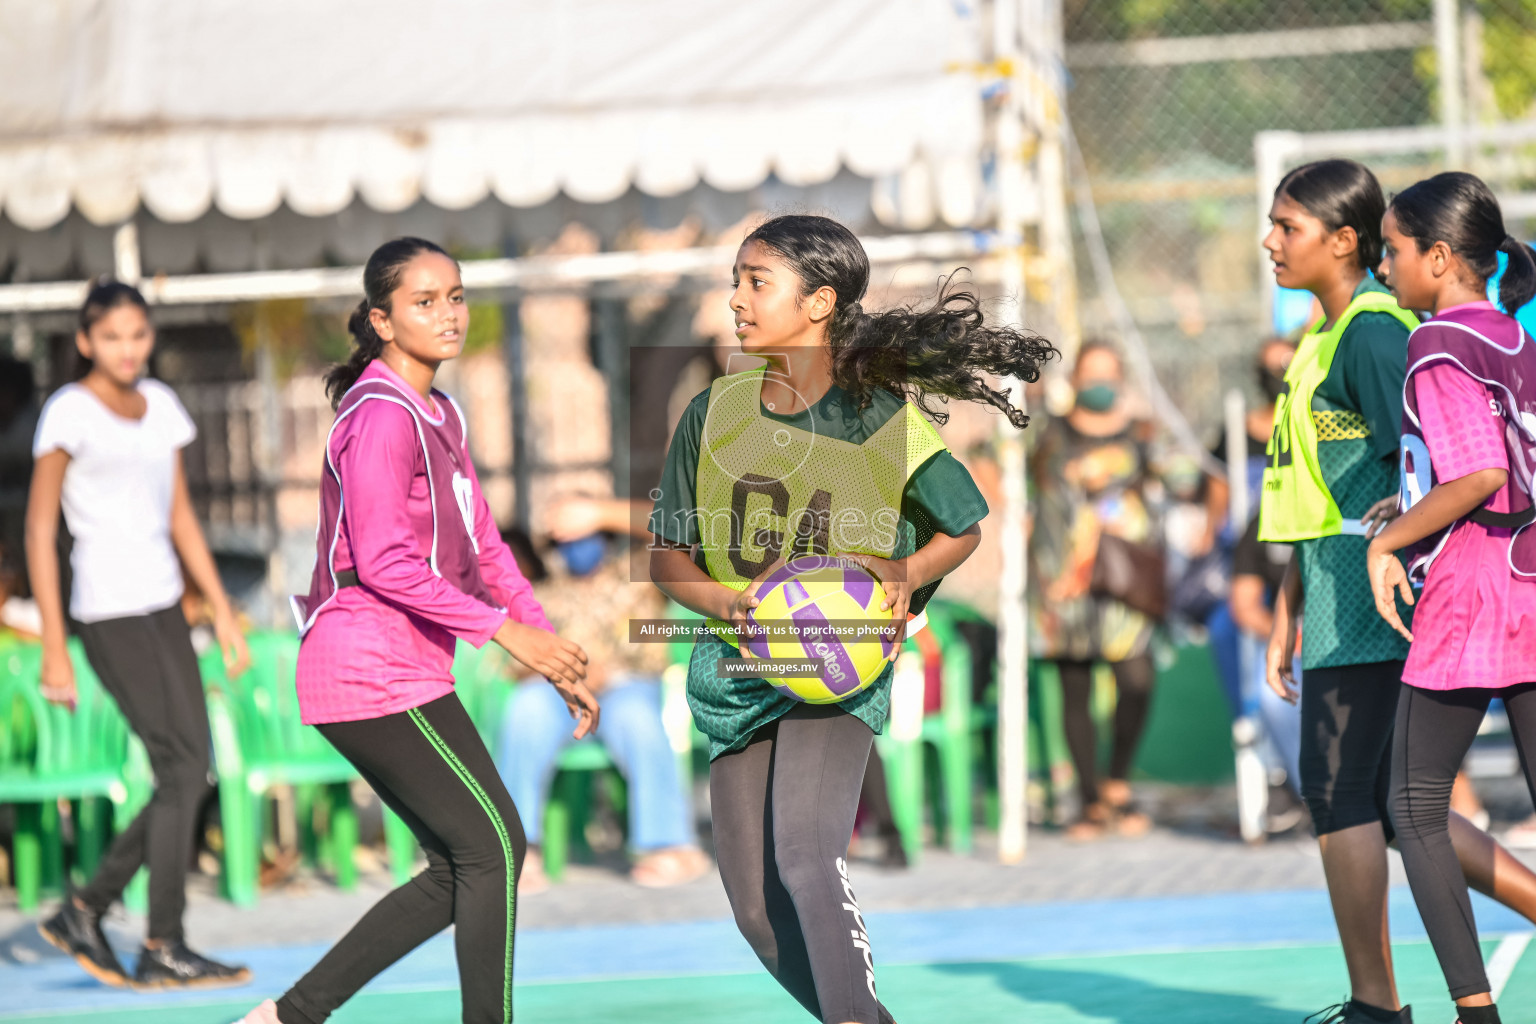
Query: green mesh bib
[[765, 488]]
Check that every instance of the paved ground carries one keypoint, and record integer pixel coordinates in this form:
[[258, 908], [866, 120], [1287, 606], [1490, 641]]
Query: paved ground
[[1193, 851], [1186, 925]]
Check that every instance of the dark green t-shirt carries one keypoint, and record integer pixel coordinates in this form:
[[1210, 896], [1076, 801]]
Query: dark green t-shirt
[[1358, 412], [940, 497]]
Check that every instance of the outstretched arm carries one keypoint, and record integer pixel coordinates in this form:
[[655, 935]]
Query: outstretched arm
[[574, 518]]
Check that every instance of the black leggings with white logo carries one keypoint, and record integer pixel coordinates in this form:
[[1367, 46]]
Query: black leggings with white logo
[[784, 809]]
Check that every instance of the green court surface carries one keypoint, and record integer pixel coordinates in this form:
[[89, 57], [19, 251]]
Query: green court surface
[[1270, 985]]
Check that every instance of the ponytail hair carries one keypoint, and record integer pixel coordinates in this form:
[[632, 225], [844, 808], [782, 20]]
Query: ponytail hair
[[1518, 285], [924, 354], [381, 277], [1460, 210], [105, 295], [1341, 194]]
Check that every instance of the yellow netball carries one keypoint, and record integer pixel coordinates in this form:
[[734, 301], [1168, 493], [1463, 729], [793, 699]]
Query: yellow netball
[[822, 608]]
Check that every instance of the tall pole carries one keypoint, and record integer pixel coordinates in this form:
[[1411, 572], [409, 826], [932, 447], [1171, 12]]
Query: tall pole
[[1453, 107], [1012, 639]]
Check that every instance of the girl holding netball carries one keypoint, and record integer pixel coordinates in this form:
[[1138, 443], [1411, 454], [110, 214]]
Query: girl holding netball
[[838, 387], [409, 561], [108, 450], [1331, 479], [1469, 430]]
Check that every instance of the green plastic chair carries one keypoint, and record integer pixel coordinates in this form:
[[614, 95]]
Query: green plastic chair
[[569, 796], [952, 737], [87, 755], [259, 742], [486, 688], [577, 768]]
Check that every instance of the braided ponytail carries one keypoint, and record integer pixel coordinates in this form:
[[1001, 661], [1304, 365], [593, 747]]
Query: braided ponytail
[[380, 278], [926, 355]]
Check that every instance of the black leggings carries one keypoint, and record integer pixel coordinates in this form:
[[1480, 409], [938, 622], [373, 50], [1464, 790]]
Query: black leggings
[[783, 810], [1346, 743], [1434, 731], [1133, 697], [147, 664], [430, 766]]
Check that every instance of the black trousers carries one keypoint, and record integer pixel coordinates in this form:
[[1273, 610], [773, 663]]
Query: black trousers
[[147, 664], [783, 810], [1435, 729], [1133, 698], [430, 766], [1347, 715]]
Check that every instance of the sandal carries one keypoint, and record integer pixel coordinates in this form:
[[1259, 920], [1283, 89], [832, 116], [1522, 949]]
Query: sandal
[[1127, 819], [1131, 823], [677, 865], [1092, 825]]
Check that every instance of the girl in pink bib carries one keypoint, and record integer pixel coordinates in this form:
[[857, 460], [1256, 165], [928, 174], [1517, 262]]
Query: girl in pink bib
[[1469, 426], [409, 562]]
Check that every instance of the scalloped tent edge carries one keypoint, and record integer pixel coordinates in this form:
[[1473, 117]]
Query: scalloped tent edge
[[128, 104]]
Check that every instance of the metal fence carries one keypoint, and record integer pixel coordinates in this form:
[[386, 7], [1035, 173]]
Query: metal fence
[[1166, 98]]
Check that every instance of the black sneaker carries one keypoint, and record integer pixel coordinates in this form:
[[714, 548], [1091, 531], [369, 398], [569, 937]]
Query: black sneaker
[[173, 965], [78, 933], [1351, 1013]]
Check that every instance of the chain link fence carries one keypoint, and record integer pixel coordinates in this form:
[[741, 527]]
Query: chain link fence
[[1166, 98]]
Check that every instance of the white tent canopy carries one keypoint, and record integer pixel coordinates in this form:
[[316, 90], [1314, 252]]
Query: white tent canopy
[[107, 105]]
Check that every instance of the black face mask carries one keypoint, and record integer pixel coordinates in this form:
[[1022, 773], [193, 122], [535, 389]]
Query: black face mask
[[1272, 384]]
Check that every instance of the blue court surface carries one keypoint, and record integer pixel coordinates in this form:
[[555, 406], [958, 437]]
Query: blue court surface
[[1254, 958]]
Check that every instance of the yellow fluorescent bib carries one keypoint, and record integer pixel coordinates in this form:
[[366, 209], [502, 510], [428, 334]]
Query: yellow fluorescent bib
[[765, 488], [1295, 503]]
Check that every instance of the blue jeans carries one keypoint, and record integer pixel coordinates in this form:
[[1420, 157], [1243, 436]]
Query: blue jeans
[[1281, 720], [1236, 653], [536, 727], [1225, 638]]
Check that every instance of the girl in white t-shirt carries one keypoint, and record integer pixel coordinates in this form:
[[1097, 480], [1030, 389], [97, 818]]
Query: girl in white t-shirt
[[108, 450]]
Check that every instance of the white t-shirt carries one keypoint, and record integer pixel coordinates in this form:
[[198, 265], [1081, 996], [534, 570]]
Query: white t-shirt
[[117, 498]]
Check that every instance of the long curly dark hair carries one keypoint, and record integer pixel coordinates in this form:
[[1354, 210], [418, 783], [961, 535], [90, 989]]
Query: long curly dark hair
[[925, 354]]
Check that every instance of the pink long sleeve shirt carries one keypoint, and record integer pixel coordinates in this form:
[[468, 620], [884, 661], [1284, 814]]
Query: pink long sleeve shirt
[[401, 506]]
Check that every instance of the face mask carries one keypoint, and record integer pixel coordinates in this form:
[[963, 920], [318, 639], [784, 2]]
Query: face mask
[[1097, 397], [584, 554], [1272, 383]]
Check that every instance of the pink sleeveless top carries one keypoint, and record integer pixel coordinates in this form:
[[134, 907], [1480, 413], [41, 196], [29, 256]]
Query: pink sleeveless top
[[400, 505], [1469, 373]]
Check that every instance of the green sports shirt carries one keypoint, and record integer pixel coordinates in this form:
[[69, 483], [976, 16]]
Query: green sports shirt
[[1358, 412], [940, 497]]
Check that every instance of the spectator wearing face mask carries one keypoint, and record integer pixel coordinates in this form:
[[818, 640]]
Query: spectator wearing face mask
[[1089, 476]]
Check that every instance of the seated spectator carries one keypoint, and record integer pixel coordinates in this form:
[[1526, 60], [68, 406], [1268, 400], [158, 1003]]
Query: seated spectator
[[590, 598], [1257, 569]]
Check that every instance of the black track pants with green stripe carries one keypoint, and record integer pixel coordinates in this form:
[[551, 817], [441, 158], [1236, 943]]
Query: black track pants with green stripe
[[431, 767]]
